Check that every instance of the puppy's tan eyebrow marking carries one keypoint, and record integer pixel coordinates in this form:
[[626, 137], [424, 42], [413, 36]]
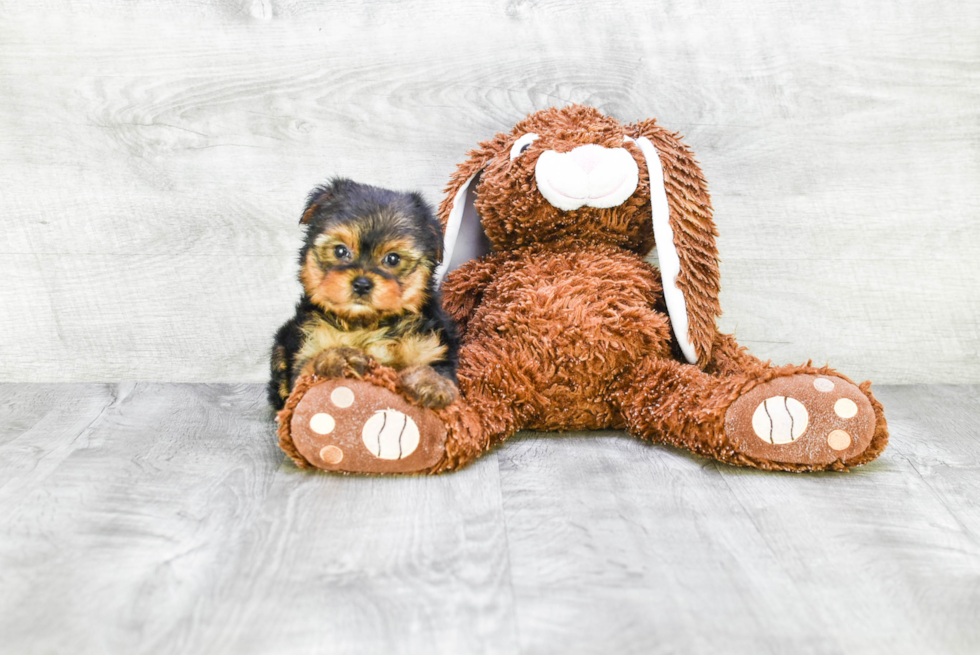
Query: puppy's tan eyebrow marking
[[404, 247], [340, 234]]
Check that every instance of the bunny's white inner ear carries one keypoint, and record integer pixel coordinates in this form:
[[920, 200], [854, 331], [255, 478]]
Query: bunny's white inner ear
[[465, 239], [663, 234]]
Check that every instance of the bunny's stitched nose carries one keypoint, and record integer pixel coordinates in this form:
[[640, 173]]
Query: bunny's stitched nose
[[587, 157]]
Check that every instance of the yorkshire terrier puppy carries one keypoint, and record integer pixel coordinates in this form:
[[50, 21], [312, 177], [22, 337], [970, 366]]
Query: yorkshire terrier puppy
[[368, 294]]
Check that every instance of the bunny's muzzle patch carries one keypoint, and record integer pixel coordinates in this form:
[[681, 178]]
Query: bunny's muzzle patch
[[590, 175]]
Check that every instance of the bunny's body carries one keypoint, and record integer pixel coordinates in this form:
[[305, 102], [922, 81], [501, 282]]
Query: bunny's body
[[570, 323], [566, 326]]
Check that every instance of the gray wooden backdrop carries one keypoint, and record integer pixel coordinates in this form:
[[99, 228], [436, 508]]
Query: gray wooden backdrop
[[154, 157]]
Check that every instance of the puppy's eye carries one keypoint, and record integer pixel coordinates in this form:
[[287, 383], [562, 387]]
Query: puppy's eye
[[341, 252], [392, 259], [522, 144]]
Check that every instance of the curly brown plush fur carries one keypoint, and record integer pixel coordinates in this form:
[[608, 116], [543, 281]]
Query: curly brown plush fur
[[514, 214], [564, 324]]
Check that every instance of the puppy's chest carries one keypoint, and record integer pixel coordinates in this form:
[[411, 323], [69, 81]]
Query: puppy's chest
[[389, 346]]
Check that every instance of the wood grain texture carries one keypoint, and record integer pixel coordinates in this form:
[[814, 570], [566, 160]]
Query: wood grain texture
[[155, 157], [648, 550], [148, 518], [161, 518]]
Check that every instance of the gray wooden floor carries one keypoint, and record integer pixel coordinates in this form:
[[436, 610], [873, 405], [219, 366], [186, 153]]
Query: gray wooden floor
[[161, 518]]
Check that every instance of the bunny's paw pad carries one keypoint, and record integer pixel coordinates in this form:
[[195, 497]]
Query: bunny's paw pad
[[356, 427], [813, 420]]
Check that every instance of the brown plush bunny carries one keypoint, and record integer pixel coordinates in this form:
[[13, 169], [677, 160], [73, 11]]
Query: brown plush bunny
[[565, 326]]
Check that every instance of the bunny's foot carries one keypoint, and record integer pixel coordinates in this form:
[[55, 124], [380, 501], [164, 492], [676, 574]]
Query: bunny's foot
[[377, 424], [810, 420]]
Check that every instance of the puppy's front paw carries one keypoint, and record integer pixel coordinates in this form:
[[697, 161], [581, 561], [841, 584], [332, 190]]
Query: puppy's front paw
[[338, 362], [423, 386]]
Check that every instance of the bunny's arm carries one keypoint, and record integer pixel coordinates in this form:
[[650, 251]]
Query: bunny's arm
[[462, 290]]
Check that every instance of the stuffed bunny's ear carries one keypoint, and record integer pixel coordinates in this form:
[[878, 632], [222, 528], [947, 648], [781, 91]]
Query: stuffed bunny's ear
[[688, 262], [465, 239]]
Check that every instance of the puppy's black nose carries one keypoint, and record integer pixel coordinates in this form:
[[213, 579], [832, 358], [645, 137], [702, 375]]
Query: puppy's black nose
[[362, 286]]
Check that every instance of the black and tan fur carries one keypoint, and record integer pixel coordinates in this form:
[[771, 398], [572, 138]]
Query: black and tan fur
[[368, 294]]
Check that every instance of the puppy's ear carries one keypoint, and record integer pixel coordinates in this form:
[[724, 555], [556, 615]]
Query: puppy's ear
[[465, 238], [317, 198], [321, 196], [685, 233], [424, 209]]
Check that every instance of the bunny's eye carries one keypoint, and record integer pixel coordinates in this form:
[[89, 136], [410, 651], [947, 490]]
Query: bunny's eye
[[522, 144]]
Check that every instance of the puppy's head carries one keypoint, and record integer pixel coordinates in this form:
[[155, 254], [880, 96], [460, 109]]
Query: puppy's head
[[369, 252]]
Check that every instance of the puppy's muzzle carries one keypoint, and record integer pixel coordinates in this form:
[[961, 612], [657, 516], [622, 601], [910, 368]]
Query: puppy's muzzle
[[361, 286]]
